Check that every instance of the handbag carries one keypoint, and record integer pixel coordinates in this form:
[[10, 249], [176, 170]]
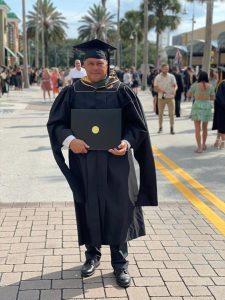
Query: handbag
[[59, 82]]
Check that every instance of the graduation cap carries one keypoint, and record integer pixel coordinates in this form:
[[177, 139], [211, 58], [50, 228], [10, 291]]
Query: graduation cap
[[96, 49]]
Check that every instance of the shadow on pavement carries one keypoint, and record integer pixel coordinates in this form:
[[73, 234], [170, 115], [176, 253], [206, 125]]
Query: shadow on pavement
[[52, 178], [35, 136], [63, 284], [27, 126], [42, 148]]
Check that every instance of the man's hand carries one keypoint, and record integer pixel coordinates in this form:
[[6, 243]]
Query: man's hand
[[122, 149], [79, 146]]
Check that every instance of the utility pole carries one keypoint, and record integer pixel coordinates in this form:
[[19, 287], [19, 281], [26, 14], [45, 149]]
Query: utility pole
[[145, 57], [37, 35], [25, 63]]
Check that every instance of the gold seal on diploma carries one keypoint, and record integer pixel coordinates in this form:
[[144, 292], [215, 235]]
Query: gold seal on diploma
[[95, 129]]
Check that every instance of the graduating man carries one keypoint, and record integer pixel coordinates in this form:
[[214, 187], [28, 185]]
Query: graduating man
[[106, 195]]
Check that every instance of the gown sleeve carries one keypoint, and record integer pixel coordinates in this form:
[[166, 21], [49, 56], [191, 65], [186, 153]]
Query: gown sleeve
[[135, 130], [220, 95], [58, 126]]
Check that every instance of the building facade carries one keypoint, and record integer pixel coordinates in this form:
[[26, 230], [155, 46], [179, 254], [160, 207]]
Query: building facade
[[198, 34], [218, 44], [9, 36]]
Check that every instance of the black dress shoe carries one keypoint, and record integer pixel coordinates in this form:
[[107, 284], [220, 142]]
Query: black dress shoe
[[172, 130], [89, 267], [122, 277], [160, 130]]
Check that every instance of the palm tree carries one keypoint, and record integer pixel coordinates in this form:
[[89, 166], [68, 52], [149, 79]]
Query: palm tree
[[97, 24], [132, 26], [51, 20], [163, 14], [132, 22]]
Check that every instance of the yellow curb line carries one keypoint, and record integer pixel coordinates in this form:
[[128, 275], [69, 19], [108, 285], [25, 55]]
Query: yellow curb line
[[201, 206], [194, 183]]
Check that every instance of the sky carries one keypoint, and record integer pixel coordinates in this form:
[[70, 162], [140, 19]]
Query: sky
[[73, 10]]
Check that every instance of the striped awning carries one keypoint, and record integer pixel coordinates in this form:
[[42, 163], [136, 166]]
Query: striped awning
[[10, 52], [20, 54]]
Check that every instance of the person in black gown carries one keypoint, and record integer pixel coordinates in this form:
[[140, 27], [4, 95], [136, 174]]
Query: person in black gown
[[219, 112], [108, 201]]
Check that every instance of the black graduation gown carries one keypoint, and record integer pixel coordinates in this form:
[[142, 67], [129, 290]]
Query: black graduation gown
[[107, 200], [219, 109]]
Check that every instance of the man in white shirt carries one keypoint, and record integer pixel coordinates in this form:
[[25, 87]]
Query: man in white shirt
[[165, 85], [77, 72]]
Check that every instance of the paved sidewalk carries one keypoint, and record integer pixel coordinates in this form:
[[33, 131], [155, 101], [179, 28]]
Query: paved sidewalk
[[182, 257]]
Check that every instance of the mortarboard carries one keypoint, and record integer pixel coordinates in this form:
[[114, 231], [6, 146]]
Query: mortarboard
[[95, 49]]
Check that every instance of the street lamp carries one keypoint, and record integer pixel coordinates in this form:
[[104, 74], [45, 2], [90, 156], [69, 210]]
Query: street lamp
[[192, 34], [133, 37]]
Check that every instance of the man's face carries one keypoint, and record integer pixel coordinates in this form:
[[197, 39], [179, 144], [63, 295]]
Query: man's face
[[165, 69], [78, 64], [96, 68]]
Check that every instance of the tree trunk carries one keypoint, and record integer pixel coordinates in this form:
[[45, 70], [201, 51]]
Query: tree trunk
[[118, 35], [25, 63], [104, 3], [157, 61], [145, 57], [43, 38], [37, 37], [208, 37], [46, 49]]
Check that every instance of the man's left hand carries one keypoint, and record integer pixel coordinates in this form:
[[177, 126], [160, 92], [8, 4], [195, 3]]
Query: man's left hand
[[121, 150]]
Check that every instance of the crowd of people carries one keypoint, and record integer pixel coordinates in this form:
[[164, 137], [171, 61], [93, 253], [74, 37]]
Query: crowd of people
[[51, 80], [169, 87]]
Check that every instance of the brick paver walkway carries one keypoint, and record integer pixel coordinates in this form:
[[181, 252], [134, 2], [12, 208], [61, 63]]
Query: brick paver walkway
[[181, 257]]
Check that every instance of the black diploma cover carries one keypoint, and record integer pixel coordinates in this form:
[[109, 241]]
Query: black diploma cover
[[99, 128]]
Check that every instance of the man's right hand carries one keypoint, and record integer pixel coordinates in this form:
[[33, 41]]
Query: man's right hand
[[78, 146]]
